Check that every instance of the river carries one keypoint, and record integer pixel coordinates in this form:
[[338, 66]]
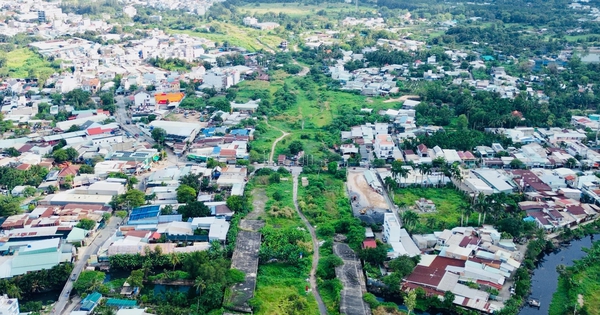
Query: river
[[545, 278]]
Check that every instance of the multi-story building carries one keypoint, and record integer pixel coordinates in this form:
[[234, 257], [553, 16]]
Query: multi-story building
[[391, 228], [8, 306], [383, 146], [221, 79]]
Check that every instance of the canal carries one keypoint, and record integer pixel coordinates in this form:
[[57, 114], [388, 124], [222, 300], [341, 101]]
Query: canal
[[545, 278]]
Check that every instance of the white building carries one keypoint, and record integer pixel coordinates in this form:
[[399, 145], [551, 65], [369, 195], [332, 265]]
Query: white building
[[221, 79], [383, 146], [143, 99], [391, 228], [130, 11], [178, 131], [250, 21], [8, 306]]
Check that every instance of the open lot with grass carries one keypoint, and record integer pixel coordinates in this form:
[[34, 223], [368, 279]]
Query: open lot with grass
[[280, 285], [246, 37], [20, 61], [277, 282], [449, 204], [297, 9]]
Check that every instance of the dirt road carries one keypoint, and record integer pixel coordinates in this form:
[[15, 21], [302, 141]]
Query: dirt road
[[315, 257]]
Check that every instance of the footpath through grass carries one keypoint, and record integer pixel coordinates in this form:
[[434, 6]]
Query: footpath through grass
[[285, 252]]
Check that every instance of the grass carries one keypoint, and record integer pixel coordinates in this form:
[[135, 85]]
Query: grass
[[276, 282], [449, 204], [332, 204], [20, 61], [265, 140], [246, 37], [588, 285], [298, 10]]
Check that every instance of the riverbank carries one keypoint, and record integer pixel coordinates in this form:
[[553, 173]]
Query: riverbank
[[578, 284]]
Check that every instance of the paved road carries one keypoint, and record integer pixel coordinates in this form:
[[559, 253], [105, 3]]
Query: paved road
[[122, 117], [315, 242], [102, 236]]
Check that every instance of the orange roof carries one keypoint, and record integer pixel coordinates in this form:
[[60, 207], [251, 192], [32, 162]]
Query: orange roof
[[162, 98]]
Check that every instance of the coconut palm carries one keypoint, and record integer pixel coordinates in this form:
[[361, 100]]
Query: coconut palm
[[175, 260], [410, 219], [426, 169], [199, 284], [481, 205]]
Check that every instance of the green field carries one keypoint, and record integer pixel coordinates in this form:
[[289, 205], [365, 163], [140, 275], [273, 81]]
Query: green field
[[21, 61], [275, 282], [449, 204], [246, 37], [298, 10]]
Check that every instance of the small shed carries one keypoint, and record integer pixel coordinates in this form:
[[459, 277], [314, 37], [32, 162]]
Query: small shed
[[77, 235]]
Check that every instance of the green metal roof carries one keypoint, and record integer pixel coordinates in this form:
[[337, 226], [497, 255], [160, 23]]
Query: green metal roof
[[22, 264], [76, 235], [121, 303]]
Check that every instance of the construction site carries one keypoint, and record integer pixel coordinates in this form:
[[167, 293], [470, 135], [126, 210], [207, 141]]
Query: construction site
[[367, 195]]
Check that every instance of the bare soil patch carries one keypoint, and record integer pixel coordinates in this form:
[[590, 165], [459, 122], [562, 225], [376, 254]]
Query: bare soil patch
[[367, 197], [259, 198]]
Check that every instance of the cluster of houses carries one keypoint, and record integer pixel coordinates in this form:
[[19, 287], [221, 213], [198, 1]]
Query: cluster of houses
[[471, 263], [49, 234]]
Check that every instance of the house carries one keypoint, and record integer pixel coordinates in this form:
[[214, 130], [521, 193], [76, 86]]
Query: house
[[383, 146], [91, 85], [8, 306], [422, 150], [71, 170]]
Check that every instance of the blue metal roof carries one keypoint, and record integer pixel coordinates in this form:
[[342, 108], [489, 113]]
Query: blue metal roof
[[144, 212]]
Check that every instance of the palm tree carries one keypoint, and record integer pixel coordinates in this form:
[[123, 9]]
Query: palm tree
[[199, 284], [426, 169], [409, 219], [175, 260], [467, 212], [13, 291], [109, 311], [480, 206]]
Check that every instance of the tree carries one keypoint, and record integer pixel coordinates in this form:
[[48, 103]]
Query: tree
[[86, 224], [166, 210], [517, 164], [86, 169], [236, 203], [295, 147], [191, 180], [375, 255], [12, 152], [121, 214], [411, 300], [186, 194], [194, 209], [404, 265], [332, 167], [410, 220], [462, 123], [60, 156], [449, 299], [133, 198], [89, 281], [136, 278], [159, 135]]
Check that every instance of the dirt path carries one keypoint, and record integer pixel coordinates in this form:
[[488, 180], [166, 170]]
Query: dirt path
[[285, 134], [403, 98], [315, 258], [259, 197]]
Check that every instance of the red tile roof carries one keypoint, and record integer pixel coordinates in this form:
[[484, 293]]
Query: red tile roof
[[23, 167], [433, 274], [69, 170], [369, 244]]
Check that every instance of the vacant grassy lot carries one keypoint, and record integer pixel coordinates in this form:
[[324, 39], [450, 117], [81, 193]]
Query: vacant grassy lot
[[249, 38], [20, 61], [276, 282], [449, 204], [297, 10]]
